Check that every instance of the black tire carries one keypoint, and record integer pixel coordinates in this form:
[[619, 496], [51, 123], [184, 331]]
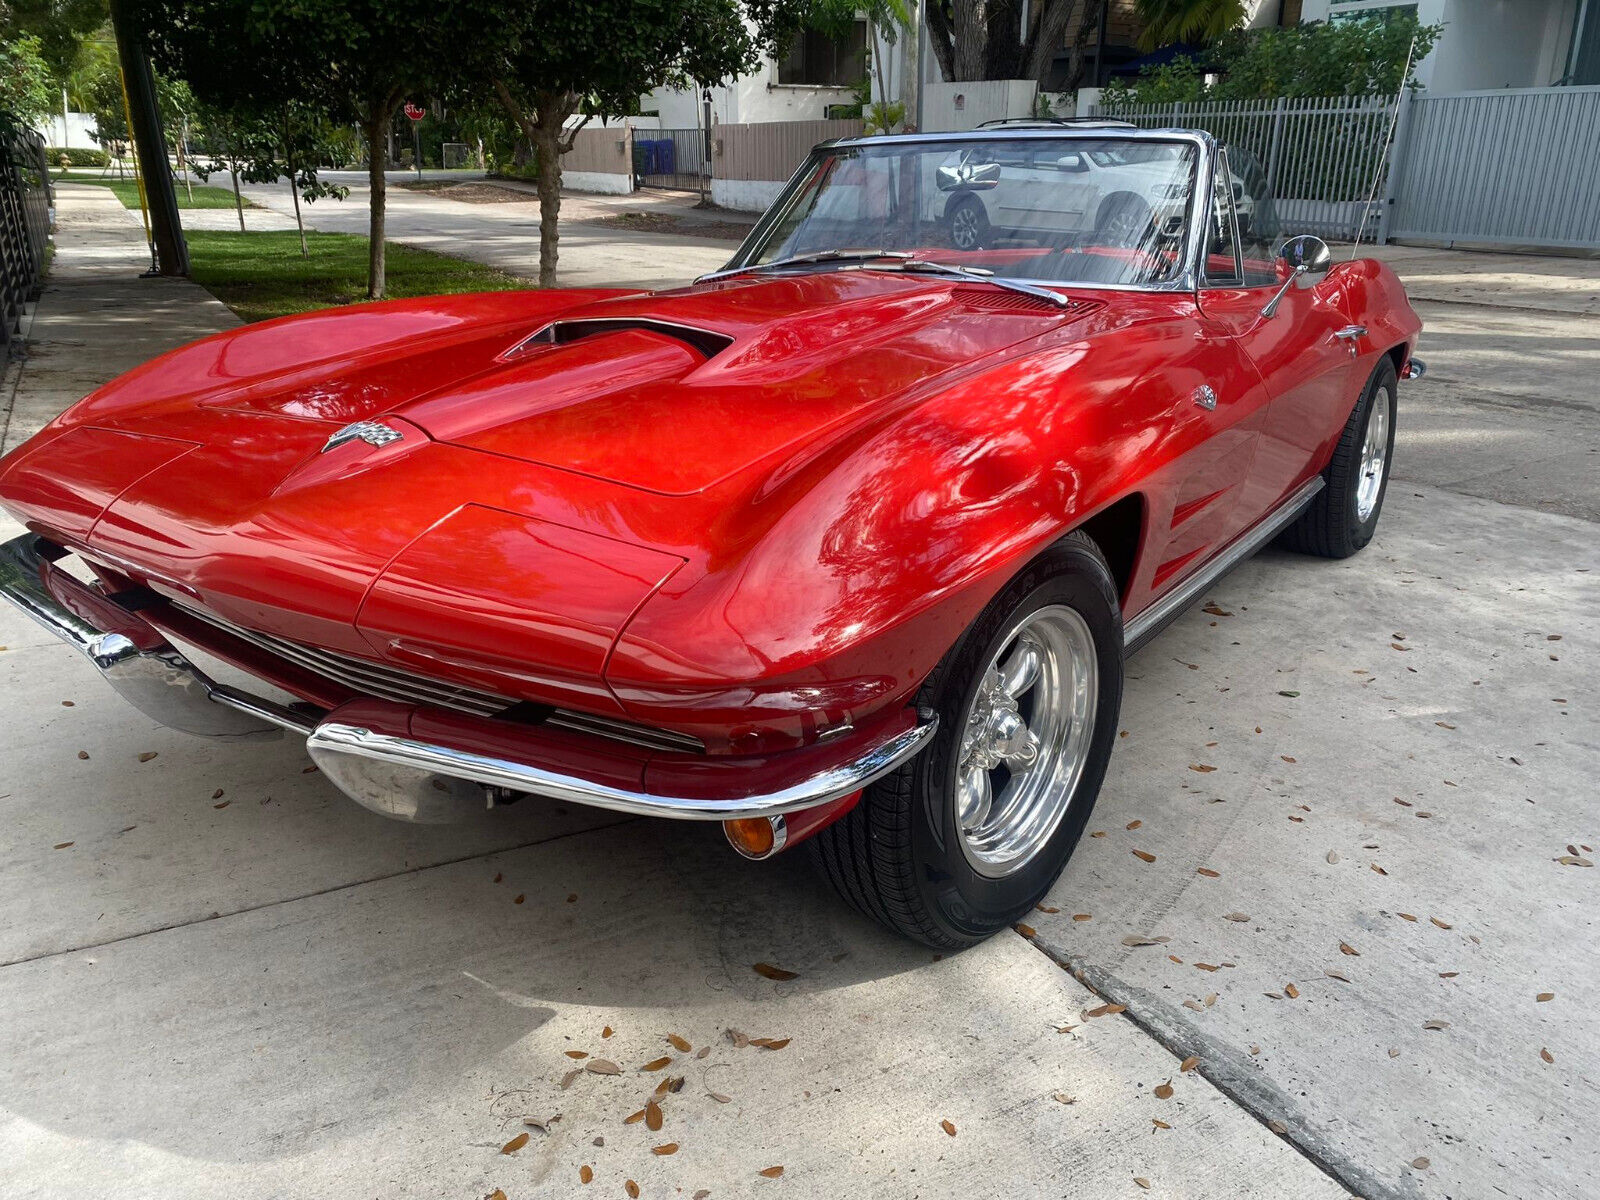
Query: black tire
[[897, 856], [1332, 525], [1123, 220], [969, 224]]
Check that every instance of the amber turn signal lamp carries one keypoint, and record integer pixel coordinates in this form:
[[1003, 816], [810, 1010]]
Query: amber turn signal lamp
[[756, 837]]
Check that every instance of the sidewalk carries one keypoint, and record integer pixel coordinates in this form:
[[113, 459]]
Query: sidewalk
[[97, 318]]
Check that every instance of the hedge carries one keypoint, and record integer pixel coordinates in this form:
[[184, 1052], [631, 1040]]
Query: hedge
[[78, 156]]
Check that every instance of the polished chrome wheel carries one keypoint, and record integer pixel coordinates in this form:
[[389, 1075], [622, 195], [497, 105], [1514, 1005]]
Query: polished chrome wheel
[[1125, 223], [1026, 739], [1374, 454]]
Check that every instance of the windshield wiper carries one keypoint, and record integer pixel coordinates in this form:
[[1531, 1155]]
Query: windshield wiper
[[803, 260], [928, 266]]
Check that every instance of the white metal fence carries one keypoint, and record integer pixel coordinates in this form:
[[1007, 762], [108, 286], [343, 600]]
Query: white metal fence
[[1320, 155], [1518, 167]]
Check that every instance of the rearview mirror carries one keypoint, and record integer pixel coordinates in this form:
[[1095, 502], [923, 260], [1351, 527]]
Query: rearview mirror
[[1308, 259], [967, 177]]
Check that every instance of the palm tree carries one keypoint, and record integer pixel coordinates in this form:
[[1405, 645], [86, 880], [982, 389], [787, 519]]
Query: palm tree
[[1168, 21]]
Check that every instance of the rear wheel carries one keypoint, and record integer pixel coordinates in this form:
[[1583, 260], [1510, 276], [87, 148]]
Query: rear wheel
[[968, 836], [1344, 515], [969, 224], [1123, 220]]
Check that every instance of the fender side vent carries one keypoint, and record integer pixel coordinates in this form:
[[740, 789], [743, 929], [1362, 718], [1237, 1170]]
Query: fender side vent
[[560, 333]]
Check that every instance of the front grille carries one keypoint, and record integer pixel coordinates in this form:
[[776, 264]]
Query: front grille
[[384, 682]]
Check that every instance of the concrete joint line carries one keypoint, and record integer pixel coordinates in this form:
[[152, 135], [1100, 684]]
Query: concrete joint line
[[327, 891], [1233, 1074]]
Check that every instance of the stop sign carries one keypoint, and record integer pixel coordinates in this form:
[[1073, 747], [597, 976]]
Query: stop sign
[[415, 111]]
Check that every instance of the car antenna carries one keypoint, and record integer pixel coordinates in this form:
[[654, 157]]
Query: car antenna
[[1383, 154]]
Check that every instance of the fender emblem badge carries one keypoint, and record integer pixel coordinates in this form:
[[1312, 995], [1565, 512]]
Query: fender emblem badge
[[1205, 397], [373, 433]]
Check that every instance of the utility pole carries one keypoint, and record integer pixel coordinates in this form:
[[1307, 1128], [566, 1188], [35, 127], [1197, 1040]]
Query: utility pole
[[151, 145]]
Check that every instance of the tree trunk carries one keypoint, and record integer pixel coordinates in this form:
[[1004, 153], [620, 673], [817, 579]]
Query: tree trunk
[[238, 200], [294, 184], [377, 140], [970, 33], [547, 141]]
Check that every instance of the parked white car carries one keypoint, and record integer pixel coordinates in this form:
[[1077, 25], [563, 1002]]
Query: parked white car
[[1043, 192]]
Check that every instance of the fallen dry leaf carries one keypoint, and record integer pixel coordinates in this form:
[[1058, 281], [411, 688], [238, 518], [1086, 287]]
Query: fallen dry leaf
[[602, 1066], [767, 970], [63, 845], [670, 1083], [566, 1080], [633, 1118], [1236, 916], [515, 1144], [1543, 996], [585, 1173], [631, 1188], [1420, 1164], [1546, 1055], [1405, 916], [1346, 948], [1098, 833], [1202, 768], [1105, 1010], [1336, 975], [606, 1032], [1194, 1005], [1206, 967], [83, 754], [1046, 908], [665, 1149], [679, 1043], [1379, 869], [1291, 991], [1082, 917], [1189, 1063], [1574, 860], [655, 1064], [1063, 1098], [542, 1124], [652, 1116], [1439, 923], [1277, 1127], [1394, 1052], [770, 1172], [1026, 931], [1164, 1091], [148, 755], [576, 1053], [1138, 939], [701, 1194], [498, 876], [702, 1052], [1208, 872], [948, 1126], [519, 898], [1333, 856], [1133, 824], [1142, 1182], [770, 1043], [739, 1038], [1145, 855], [1435, 1023], [719, 1097], [497, 1194]]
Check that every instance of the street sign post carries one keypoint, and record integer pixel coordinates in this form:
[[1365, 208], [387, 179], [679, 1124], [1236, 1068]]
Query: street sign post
[[416, 112]]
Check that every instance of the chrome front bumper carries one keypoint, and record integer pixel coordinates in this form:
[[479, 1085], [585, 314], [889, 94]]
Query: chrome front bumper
[[371, 749]]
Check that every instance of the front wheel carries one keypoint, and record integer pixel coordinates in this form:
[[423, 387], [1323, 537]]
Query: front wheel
[[969, 224], [1344, 515], [968, 836]]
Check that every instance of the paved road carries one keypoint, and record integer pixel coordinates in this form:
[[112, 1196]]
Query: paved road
[[271, 992]]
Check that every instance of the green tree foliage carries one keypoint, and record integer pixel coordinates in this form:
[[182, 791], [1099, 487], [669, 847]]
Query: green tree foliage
[[345, 60], [25, 85], [59, 25], [1342, 58], [1168, 21], [554, 64]]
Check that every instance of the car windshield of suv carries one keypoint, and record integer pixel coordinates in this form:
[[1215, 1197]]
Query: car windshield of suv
[[1059, 209]]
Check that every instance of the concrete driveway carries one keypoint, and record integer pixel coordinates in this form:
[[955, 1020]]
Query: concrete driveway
[[1366, 787]]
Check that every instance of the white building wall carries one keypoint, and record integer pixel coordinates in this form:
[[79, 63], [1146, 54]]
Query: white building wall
[[1485, 44], [70, 130], [752, 99]]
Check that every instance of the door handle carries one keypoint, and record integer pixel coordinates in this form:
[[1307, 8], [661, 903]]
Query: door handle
[[1350, 335]]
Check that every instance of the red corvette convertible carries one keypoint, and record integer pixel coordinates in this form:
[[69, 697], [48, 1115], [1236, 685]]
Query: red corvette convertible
[[843, 544]]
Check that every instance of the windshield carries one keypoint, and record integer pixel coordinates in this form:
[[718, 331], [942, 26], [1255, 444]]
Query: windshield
[[1053, 210]]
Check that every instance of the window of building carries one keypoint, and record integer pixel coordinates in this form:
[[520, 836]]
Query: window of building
[[815, 58], [1386, 10]]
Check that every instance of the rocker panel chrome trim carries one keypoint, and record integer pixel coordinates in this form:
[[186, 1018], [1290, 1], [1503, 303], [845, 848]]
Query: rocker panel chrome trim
[[1137, 632]]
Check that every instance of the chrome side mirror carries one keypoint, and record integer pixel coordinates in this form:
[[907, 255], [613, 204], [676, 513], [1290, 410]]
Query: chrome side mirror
[[967, 177], [1308, 259]]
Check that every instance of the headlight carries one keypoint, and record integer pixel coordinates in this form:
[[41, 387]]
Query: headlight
[[1171, 191]]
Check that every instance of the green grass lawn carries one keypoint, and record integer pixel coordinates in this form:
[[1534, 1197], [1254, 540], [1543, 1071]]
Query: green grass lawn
[[261, 275], [128, 192]]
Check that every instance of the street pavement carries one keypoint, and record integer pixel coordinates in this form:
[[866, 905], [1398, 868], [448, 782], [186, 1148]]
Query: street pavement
[[1356, 783]]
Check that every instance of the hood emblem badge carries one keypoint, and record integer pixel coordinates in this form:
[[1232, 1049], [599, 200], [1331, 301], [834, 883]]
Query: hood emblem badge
[[373, 433], [1205, 397]]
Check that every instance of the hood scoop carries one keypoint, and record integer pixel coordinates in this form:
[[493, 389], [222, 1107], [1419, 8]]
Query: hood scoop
[[562, 333]]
